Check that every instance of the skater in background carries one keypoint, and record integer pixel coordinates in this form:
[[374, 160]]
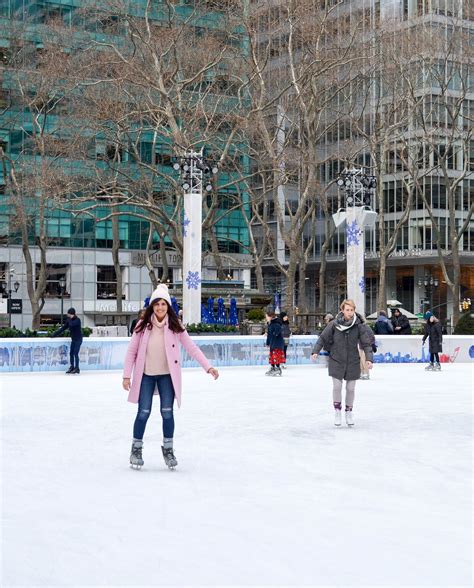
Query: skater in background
[[400, 323], [286, 332], [434, 334], [276, 344], [135, 320], [73, 324], [342, 338], [328, 318], [364, 368], [154, 357], [382, 325]]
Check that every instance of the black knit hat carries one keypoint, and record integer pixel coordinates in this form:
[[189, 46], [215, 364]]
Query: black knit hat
[[71, 311]]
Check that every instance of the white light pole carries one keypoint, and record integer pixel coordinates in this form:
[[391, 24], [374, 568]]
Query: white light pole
[[358, 215], [195, 173]]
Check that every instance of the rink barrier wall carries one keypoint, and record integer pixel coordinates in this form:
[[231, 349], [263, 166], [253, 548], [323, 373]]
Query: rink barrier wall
[[99, 353]]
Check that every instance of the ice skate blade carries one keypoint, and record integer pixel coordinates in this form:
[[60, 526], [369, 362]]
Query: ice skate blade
[[135, 466], [337, 424]]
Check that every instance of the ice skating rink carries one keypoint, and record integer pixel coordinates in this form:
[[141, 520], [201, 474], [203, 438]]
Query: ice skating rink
[[267, 491]]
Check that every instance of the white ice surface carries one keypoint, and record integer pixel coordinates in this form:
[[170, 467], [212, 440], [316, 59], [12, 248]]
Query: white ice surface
[[267, 491]]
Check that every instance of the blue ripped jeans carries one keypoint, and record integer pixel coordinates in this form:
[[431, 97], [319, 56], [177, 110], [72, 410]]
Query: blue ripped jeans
[[145, 401]]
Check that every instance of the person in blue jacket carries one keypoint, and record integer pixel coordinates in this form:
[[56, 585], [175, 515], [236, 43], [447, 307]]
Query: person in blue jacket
[[382, 325], [73, 324]]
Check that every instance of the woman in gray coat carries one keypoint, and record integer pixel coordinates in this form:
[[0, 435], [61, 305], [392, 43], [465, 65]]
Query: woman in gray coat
[[341, 338]]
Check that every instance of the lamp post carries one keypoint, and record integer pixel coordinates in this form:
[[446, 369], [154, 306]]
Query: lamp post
[[62, 289], [428, 282], [359, 188], [196, 175]]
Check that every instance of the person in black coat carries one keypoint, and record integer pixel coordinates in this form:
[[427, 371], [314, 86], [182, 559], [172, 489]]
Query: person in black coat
[[342, 338], [434, 334], [285, 331], [400, 323], [135, 321], [73, 324], [276, 344]]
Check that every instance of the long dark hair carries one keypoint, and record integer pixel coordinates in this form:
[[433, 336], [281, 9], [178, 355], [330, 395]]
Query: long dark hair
[[174, 323]]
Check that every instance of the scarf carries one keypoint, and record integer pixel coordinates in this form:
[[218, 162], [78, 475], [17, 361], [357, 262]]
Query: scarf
[[343, 325]]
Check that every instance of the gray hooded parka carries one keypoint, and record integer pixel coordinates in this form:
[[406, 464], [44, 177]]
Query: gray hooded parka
[[342, 342]]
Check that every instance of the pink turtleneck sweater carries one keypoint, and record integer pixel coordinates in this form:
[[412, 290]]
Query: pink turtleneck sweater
[[156, 363]]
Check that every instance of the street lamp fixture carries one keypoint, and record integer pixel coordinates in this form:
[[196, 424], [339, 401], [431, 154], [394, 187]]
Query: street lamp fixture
[[197, 174], [359, 188]]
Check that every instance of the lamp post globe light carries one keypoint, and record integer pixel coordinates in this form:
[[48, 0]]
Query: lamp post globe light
[[358, 214], [196, 176]]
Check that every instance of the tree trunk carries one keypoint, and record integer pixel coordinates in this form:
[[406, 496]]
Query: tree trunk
[[381, 293], [116, 261], [164, 259], [149, 265]]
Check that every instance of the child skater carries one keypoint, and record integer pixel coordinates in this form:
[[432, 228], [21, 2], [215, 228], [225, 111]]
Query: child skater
[[434, 334], [342, 338], [154, 357], [276, 344]]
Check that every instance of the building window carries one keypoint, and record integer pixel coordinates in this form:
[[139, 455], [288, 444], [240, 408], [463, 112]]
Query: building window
[[54, 273], [107, 283]]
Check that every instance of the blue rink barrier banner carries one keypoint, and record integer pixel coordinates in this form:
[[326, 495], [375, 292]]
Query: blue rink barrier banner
[[99, 353]]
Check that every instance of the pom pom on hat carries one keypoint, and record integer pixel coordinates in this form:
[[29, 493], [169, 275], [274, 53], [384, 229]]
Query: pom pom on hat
[[161, 291], [428, 315]]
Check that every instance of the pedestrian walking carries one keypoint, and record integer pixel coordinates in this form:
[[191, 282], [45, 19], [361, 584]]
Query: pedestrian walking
[[434, 334], [74, 326], [154, 358], [286, 333], [276, 344], [400, 323], [342, 338]]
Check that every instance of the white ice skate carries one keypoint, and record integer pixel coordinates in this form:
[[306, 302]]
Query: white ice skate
[[349, 418], [337, 418], [271, 371], [437, 367], [430, 368]]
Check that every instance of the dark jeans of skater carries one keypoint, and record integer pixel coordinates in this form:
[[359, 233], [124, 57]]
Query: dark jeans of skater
[[145, 401], [74, 353], [434, 357]]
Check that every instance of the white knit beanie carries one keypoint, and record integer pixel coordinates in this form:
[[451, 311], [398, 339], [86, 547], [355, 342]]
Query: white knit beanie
[[160, 292]]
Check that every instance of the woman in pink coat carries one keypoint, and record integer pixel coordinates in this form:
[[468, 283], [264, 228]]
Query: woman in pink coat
[[154, 357]]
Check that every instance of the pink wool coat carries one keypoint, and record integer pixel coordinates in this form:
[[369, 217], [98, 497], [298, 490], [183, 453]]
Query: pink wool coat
[[136, 354]]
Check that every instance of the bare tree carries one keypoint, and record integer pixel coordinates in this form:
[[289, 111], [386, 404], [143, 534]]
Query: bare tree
[[36, 167], [444, 138]]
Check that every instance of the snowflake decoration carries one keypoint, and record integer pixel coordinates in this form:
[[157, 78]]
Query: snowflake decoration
[[353, 233], [193, 280], [186, 222], [362, 285]]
